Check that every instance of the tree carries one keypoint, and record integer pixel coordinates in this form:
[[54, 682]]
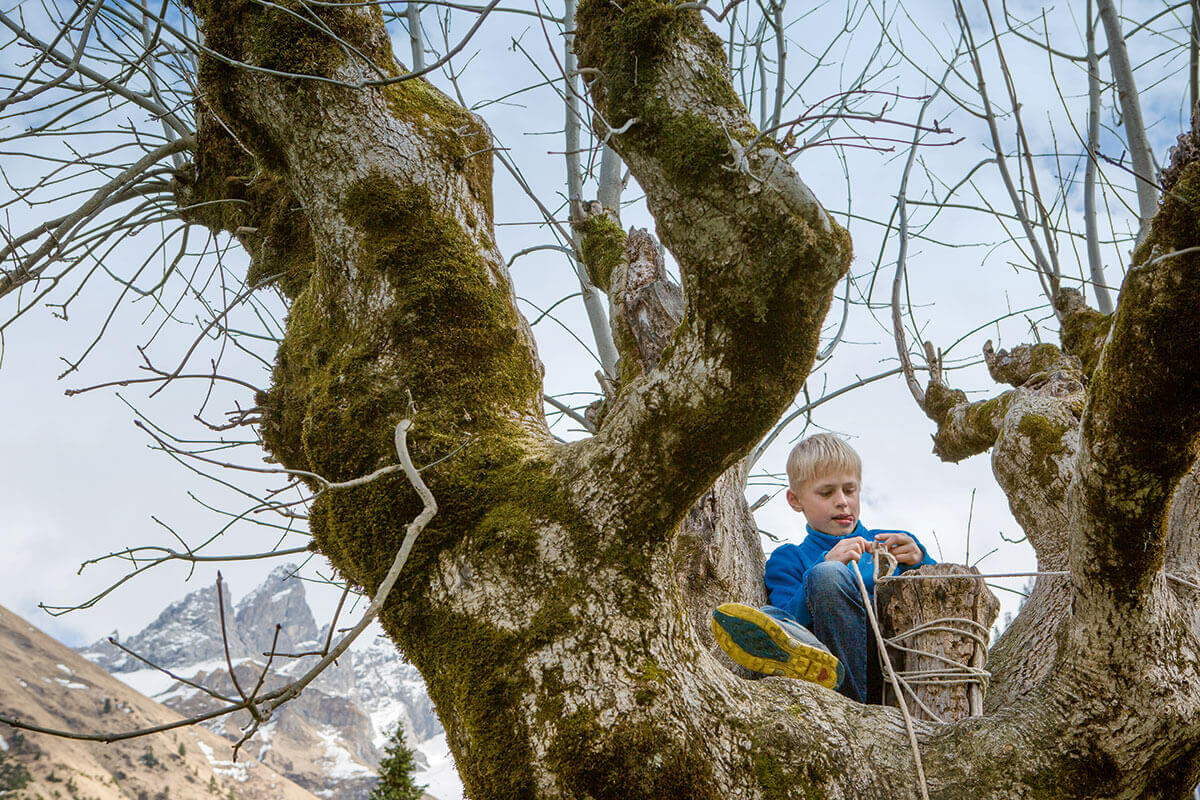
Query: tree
[[552, 603], [396, 771]]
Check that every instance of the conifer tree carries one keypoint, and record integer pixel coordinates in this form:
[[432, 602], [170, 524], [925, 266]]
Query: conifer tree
[[396, 771]]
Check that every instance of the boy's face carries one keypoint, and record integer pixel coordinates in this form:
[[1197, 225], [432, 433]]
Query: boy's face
[[829, 502]]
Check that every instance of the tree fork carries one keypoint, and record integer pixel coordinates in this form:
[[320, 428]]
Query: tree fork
[[544, 606]]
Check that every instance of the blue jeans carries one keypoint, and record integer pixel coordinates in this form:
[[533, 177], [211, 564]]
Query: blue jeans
[[840, 621]]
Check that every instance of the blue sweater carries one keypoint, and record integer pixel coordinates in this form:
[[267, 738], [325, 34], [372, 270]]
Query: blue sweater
[[788, 567]]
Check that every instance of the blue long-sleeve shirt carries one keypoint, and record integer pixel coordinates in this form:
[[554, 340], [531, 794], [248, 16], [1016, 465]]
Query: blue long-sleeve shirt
[[788, 567]]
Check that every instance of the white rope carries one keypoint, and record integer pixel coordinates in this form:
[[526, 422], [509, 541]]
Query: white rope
[[1171, 576], [891, 675]]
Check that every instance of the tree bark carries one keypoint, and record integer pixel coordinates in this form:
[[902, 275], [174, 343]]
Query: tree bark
[[545, 605]]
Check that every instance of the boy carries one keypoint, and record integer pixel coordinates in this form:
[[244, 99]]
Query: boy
[[811, 584]]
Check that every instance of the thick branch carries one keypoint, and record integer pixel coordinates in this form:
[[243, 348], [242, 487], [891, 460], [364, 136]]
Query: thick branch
[[1139, 432], [758, 255], [964, 428], [647, 305], [1032, 429], [1038, 362], [405, 295], [1084, 329]]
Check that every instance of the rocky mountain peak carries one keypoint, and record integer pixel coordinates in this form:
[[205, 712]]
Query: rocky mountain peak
[[279, 600], [187, 631], [328, 740]]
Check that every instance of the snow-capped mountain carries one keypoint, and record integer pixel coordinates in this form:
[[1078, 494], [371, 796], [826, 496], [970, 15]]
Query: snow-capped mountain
[[43, 683], [330, 739]]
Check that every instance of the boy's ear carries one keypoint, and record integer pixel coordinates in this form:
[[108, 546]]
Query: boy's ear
[[794, 501]]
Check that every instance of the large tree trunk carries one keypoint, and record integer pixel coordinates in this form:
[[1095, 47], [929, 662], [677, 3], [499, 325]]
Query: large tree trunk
[[544, 605]]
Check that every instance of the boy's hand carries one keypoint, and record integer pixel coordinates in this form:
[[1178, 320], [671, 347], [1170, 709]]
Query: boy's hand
[[902, 546], [850, 549]]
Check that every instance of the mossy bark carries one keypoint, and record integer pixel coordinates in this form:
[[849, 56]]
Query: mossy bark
[[544, 603]]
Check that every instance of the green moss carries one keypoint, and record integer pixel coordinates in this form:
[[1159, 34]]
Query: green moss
[[440, 332], [287, 40], [691, 147], [1174, 225], [783, 773], [460, 138], [1045, 438], [940, 400], [480, 682], [653, 680], [775, 783], [974, 431], [651, 671], [1143, 431], [225, 189], [1083, 334], [212, 188], [628, 45], [292, 37], [477, 673], [1044, 435], [626, 760], [603, 246], [281, 247], [715, 81], [986, 415], [1045, 357]]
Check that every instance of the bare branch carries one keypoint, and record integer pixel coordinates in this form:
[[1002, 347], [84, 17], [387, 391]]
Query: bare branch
[[263, 706], [1131, 114], [1095, 265], [35, 264]]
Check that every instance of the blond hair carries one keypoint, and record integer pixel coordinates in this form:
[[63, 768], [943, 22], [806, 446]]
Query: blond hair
[[818, 455]]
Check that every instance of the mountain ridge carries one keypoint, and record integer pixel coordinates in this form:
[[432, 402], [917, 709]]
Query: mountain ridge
[[46, 683], [330, 739]]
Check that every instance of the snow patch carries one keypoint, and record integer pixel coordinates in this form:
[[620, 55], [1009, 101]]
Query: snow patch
[[21, 681], [441, 779], [65, 668], [153, 682], [71, 684], [3, 745], [181, 692], [226, 769], [340, 764], [265, 734]]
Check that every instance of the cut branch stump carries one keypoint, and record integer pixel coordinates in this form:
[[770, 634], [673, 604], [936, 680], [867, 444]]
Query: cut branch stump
[[937, 632]]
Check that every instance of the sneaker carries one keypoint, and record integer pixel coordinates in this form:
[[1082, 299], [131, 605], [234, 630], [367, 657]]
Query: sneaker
[[760, 642]]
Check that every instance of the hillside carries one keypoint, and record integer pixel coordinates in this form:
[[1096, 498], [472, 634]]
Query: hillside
[[48, 684], [330, 739]]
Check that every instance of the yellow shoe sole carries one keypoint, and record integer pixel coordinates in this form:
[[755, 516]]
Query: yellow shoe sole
[[756, 641]]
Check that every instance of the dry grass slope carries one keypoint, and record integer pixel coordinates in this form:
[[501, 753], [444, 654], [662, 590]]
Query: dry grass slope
[[48, 684]]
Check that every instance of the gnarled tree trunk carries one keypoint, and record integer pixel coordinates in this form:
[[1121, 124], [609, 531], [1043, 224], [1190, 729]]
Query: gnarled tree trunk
[[544, 605]]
